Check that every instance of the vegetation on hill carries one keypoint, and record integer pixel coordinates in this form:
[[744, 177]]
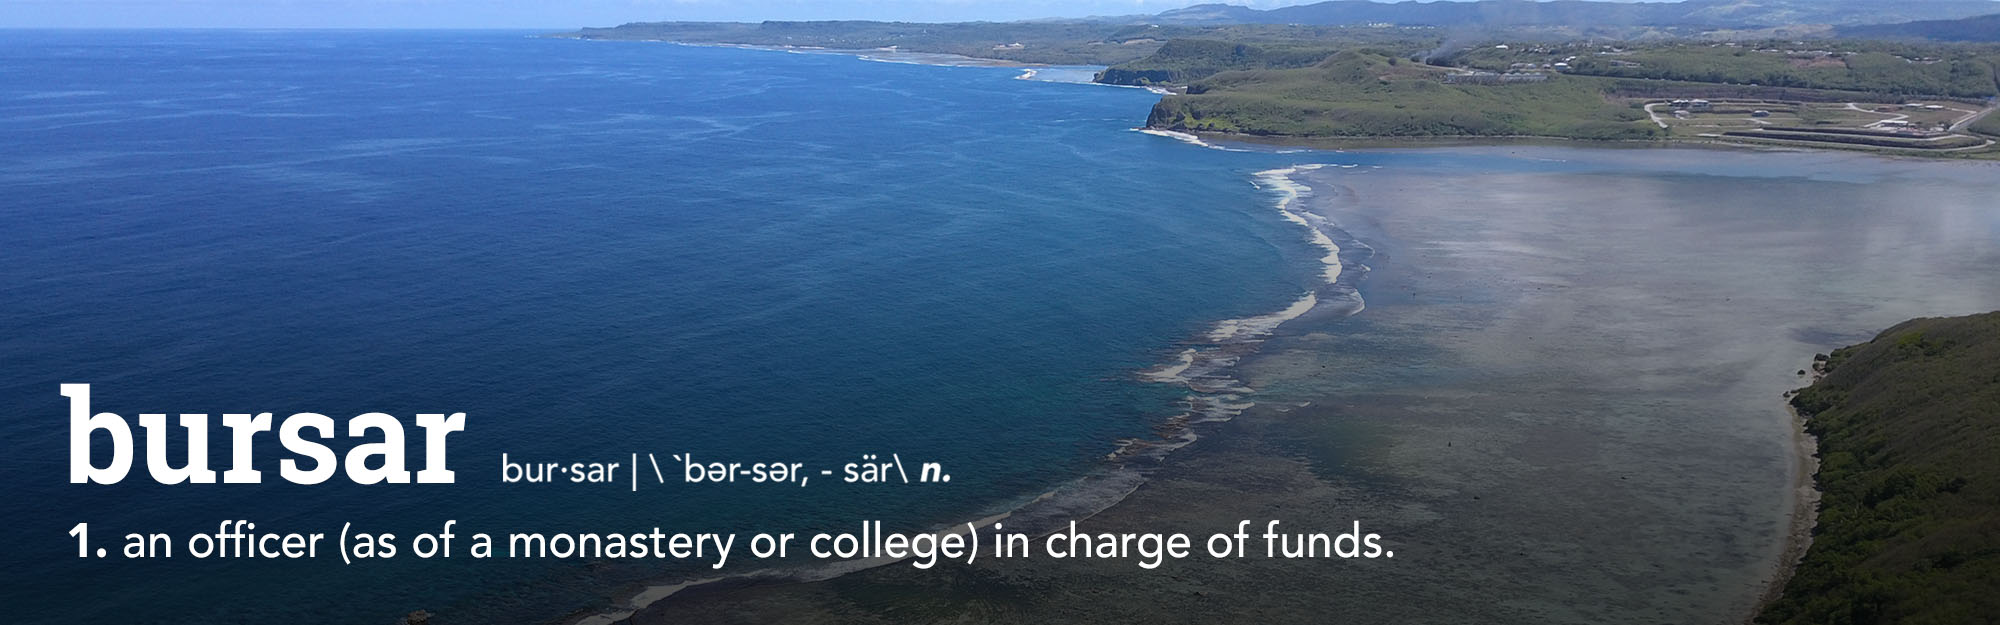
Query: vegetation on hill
[[1980, 28], [1370, 94], [1381, 81], [1701, 13], [1962, 72], [1186, 60], [1909, 446]]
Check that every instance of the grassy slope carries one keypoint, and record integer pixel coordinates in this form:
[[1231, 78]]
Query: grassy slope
[[1357, 94], [1909, 525], [1989, 125]]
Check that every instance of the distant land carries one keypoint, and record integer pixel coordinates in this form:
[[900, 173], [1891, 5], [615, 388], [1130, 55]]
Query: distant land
[[1980, 28], [1918, 100], [1365, 94], [1711, 13], [1792, 73], [1909, 447], [1027, 42]]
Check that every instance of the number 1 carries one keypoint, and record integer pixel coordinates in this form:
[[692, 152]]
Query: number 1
[[82, 534]]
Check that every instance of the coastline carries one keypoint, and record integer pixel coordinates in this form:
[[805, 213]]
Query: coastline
[[1805, 508], [912, 57], [1440, 141], [1031, 71], [944, 59], [1216, 395], [1802, 495], [1365, 418]]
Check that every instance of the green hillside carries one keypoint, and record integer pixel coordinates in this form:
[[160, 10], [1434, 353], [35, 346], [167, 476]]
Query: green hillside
[[1988, 125], [1980, 28], [1368, 94], [1957, 72], [1909, 439], [1186, 60]]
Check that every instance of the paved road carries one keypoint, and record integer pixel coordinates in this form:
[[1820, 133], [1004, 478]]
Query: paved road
[[1655, 115]]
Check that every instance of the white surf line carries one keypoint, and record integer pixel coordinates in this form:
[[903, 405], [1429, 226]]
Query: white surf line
[[1183, 137], [1248, 328], [1289, 193], [1216, 394], [1172, 372], [1157, 90]]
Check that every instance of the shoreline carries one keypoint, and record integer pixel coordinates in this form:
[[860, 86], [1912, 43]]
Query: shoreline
[[1446, 141], [947, 59], [940, 59], [1805, 510], [1194, 368], [1238, 469], [1206, 367], [1974, 153], [1802, 457], [1030, 71]]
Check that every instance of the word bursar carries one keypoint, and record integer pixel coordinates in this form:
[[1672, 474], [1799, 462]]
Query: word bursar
[[243, 430]]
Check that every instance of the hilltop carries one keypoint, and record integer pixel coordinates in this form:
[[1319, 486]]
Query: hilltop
[[1980, 28]]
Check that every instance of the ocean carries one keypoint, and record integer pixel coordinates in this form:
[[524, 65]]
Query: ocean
[[592, 250]]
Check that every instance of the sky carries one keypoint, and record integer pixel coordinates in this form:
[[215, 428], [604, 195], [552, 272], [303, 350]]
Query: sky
[[541, 14]]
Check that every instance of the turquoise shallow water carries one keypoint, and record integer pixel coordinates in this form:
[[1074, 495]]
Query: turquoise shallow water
[[592, 250]]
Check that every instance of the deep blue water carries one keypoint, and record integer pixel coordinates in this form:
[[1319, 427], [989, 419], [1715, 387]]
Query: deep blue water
[[592, 249]]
